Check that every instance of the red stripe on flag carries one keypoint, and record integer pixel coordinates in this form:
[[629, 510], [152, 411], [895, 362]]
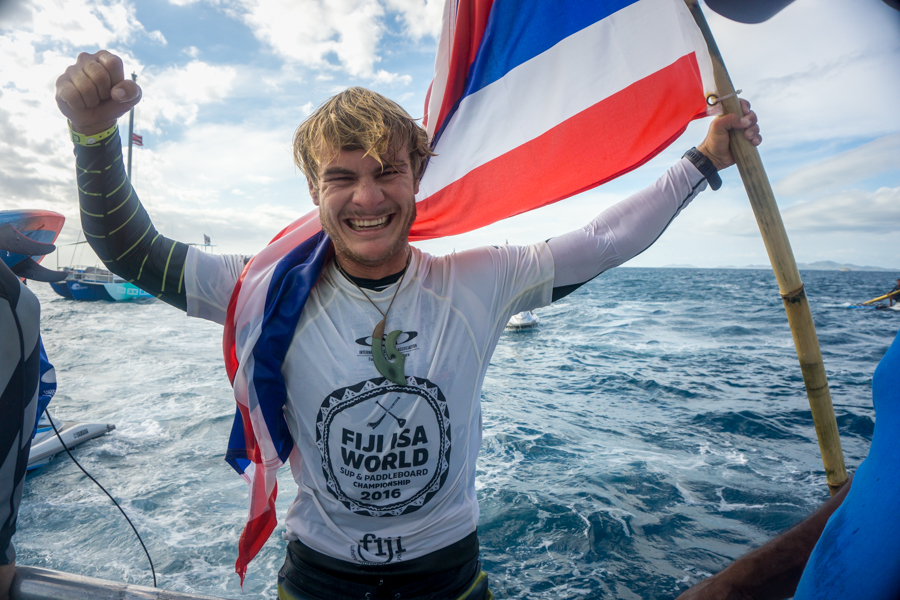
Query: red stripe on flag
[[257, 531], [471, 21], [229, 349], [250, 445], [599, 144]]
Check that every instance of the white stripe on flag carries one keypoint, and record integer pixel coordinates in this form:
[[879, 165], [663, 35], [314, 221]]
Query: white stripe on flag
[[267, 451], [441, 67], [573, 75]]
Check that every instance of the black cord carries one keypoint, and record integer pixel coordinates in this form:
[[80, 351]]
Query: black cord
[[152, 570]]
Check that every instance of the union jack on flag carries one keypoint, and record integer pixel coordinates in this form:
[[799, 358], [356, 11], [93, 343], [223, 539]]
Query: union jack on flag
[[532, 101]]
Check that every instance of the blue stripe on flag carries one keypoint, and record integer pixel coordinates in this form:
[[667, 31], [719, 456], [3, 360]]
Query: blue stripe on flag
[[293, 279], [519, 30], [236, 455]]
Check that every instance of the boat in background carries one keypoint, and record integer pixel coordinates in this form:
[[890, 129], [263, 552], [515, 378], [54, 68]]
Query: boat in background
[[523, 320], [95, 283], [46, 444]]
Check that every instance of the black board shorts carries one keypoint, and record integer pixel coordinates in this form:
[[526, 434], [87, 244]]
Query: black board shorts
[[309, 575]]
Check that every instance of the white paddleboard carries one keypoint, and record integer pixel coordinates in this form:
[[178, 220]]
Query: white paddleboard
[[46, 444]]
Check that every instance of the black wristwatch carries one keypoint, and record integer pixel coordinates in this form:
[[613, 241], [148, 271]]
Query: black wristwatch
[[705, 166]]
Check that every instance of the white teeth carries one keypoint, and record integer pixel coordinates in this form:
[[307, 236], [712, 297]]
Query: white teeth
[[367, 223]]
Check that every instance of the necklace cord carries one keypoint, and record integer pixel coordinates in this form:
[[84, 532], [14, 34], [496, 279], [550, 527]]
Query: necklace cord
[[384, 314], [389, 361]]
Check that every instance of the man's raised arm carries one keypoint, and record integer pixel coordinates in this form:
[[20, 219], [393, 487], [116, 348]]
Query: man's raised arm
[[93, 93], [628, 228]]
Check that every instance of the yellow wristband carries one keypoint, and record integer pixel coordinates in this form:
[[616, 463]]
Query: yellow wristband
[[91, 140]]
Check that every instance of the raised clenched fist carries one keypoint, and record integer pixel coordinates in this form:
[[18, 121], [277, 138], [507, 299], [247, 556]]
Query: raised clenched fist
[[93, 93]]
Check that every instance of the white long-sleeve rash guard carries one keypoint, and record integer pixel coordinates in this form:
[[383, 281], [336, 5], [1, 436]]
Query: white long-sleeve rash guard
[[615, 236], [458, 316], [624, 230]]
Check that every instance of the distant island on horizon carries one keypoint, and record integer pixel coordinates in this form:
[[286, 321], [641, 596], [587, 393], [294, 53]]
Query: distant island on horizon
[[821, 265]]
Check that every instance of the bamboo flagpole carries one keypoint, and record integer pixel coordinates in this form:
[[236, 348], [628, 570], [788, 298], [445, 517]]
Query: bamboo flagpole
[[759, 190]]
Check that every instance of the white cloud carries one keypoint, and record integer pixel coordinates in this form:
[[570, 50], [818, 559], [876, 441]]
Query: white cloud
[[234, 180], [850, 211], [158, 37], [79, 23], [817, 71], [383, 77], [822, 75], [420, 18], [846, 168], [853, 211], [332, 34], [176, 94], [309, 32], [82, 23], [13, 12], [36, 165]]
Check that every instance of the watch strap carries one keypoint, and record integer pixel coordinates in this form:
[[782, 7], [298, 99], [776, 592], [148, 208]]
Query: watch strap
[[705, 166]]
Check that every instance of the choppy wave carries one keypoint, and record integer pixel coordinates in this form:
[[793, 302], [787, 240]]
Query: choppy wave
[[653, 428]]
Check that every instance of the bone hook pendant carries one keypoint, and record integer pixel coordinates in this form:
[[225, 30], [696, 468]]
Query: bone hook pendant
[[392, 366]]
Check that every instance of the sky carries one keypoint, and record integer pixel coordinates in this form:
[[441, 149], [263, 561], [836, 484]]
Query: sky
[[226, 82]]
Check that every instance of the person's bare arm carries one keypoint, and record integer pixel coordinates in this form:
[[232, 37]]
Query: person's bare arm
[[772, 571]]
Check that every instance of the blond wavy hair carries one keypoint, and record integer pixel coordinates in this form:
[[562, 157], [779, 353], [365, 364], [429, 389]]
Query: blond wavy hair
[[359, 119]]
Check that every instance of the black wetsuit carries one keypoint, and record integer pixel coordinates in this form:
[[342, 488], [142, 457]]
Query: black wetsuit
[[20, 314]]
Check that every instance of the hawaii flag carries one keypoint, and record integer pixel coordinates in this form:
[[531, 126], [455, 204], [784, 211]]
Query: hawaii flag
[[532, 101], [536, 100]]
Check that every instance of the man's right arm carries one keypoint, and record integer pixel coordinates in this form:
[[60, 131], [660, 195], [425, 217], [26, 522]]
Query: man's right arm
[[118, 228], [93, 93]]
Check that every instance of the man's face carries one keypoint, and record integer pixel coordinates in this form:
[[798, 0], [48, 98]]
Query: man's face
[[367, 210]]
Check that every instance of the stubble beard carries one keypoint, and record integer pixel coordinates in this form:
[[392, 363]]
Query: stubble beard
[[342, 250]]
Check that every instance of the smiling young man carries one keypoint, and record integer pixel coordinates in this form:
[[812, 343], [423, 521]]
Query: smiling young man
[[386, 504], [365, 188]]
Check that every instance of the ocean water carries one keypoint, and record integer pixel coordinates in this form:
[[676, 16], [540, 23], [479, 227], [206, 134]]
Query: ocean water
[[651, 429]]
